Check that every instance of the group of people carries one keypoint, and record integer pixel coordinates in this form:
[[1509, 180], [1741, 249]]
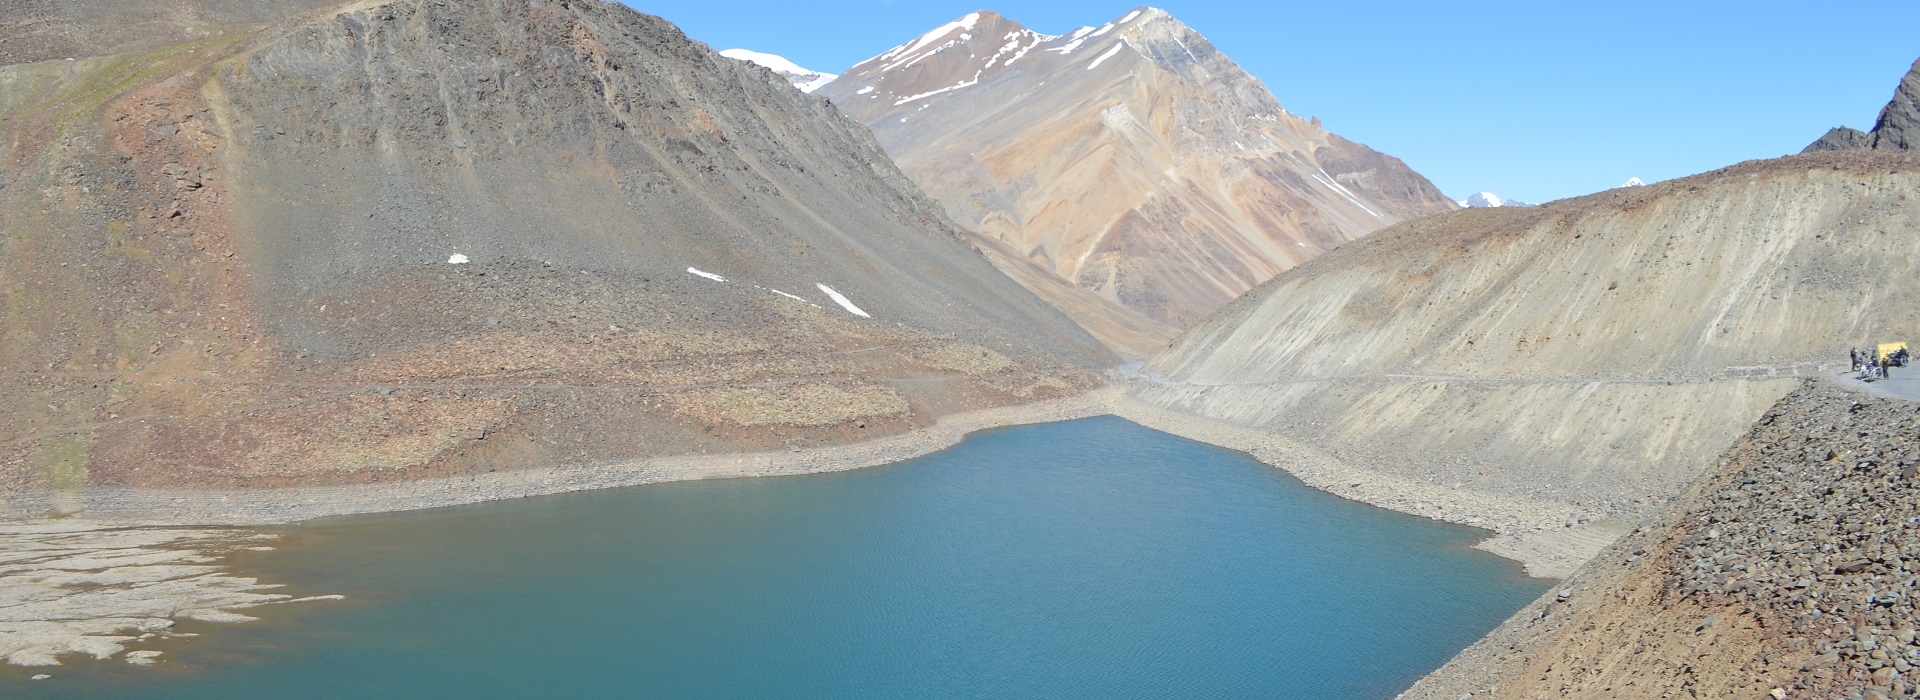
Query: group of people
[[1868, 365]]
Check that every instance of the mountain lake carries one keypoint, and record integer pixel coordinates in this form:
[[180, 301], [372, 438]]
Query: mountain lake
[[1086, 559]]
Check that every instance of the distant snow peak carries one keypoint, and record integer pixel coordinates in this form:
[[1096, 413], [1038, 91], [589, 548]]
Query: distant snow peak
[[1633, 182], [1483, 200], [1489, 200], [1145, 15], [806, 80], [906, 54]]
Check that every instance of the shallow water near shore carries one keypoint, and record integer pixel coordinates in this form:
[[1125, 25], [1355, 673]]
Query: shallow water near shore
[[1092, 558]]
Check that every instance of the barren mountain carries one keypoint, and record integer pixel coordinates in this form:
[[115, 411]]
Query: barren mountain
[[1133, 159], [1597, 352], [391, 240]]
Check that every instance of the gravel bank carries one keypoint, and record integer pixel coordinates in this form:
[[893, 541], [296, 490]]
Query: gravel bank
[[133, 507], [1551, 539]]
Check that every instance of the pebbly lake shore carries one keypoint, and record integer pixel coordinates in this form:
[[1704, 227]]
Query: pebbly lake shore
[[167, 544]]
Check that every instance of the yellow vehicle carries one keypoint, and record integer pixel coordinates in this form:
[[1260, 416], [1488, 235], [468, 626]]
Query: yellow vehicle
[[1888, 349]]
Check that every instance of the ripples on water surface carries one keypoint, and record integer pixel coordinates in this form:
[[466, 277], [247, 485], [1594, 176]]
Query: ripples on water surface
[[1090, 559]]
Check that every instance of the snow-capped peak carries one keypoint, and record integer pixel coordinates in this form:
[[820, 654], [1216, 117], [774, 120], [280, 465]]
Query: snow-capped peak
[[806, 80], [1634, 182], [974, 50], [1488, 200], [909, 51]]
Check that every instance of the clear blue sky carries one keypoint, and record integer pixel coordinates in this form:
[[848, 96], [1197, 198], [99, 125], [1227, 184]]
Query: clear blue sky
[[1536, 101]]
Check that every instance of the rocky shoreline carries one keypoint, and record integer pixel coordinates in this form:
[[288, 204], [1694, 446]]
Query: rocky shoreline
[[102, 571], [137, 507], [188, 530], [1550, 539], [1536, 533]]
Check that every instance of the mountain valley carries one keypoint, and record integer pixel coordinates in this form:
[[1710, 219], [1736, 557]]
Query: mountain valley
[[268, 261]]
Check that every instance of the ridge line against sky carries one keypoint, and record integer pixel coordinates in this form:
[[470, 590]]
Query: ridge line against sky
[[1532, 101]]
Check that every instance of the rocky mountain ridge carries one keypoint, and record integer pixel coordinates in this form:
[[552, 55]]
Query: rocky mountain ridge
[[1132, 160], [1897, 129]]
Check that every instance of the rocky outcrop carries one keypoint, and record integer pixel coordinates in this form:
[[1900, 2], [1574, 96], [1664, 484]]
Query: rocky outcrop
[[1132, 160], [1789, 572], [1898, 128], [397, 240], [1841, 138], [1596, 353]]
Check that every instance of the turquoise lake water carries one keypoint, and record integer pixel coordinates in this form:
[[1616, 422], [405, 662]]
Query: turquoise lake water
[[1088, 559]]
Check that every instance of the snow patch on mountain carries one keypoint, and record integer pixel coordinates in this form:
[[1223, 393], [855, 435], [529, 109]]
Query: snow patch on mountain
[[910, 53], [843, 301], [1117, 46], [805, 79], [1633, 182]]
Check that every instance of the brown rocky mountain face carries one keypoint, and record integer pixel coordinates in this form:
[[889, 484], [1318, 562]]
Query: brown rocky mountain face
[[1133, 160], [1595, 353], [1897, 129], [402, 239]]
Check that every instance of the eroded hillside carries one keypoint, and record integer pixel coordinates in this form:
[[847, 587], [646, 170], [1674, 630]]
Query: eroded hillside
[[404, 239], [1595, 353]]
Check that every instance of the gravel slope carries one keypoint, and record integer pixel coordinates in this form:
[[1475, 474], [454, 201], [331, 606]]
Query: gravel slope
[[1595, 354], [1788, 571]]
